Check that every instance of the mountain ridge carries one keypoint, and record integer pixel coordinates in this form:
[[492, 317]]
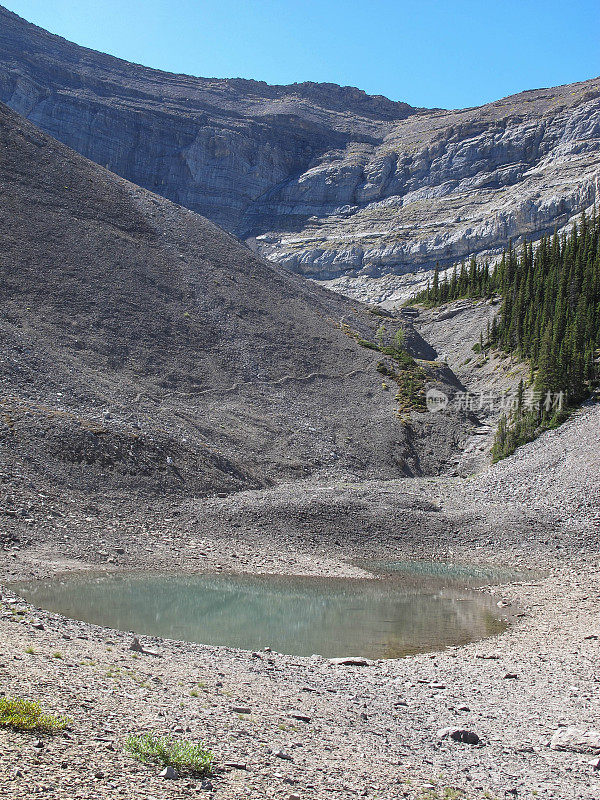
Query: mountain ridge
[[326, 180]]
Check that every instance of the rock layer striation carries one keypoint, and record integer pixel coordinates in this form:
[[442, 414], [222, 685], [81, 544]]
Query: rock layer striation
[[324, 179]]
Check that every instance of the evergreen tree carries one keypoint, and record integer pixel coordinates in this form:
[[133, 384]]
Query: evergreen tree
[[550, 316]]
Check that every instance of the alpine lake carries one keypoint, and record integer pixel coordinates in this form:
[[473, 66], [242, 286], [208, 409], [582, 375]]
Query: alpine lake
[[409, 607]]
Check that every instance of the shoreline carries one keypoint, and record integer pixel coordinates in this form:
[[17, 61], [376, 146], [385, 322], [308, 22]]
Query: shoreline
[[471, 583], [373, 730]]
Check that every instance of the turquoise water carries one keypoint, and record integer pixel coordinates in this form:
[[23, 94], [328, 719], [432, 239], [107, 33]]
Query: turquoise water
[[404, 613]]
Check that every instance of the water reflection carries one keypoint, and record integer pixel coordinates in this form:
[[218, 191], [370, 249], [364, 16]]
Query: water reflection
[[401, 614]]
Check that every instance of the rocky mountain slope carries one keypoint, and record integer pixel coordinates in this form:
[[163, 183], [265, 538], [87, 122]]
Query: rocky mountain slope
[[144, 347], [325, 180]]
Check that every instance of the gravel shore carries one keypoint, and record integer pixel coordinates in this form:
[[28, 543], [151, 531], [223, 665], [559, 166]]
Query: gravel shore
[[315, 729]]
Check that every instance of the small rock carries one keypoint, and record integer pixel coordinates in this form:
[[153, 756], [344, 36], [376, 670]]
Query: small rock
[[137, 648], [235, 765], [350, 661], [169, 773], [282, 754], [459, 735], [38, 744], [300, 716], [577, 740], [241, 709], [511, 676]]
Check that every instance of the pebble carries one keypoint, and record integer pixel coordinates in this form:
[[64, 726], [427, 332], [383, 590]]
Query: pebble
[[169, 773], [459, 735]]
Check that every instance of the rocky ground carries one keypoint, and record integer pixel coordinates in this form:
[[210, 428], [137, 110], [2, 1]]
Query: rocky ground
[[305, 727]]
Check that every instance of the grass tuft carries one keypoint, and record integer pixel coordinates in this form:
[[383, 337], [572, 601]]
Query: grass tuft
[[26, 715], [182, 755]]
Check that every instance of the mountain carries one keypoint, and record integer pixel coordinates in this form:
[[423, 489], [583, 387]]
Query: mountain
[[215, 146], [144, 347], [323, 179]]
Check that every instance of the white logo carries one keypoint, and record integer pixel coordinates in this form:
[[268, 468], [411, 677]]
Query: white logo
[[436, 400]]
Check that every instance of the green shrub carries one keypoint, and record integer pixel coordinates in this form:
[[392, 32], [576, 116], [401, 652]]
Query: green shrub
[[182, 755], [367, 344], [26, 715]]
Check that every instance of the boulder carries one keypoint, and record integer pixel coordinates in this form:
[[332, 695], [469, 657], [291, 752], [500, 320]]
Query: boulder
[[578, 740]]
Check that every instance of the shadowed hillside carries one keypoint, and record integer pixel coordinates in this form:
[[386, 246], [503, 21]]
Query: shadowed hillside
[[143, 345]]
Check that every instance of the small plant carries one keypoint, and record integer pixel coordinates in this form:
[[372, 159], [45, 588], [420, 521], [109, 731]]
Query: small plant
[[182, 755], [29, 650], [366, 343], [452, 793], [26, 715], [57, 655]]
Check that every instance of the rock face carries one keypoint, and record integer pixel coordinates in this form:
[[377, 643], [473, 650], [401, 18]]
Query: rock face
[[215, 146], [323, 179]]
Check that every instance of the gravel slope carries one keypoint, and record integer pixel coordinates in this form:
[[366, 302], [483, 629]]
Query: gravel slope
[[146, 349]]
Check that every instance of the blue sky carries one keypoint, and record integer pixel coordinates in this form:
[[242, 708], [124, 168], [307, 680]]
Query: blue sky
[[447, 53]]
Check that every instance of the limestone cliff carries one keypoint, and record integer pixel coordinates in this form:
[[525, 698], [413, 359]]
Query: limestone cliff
[[326, 180]]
